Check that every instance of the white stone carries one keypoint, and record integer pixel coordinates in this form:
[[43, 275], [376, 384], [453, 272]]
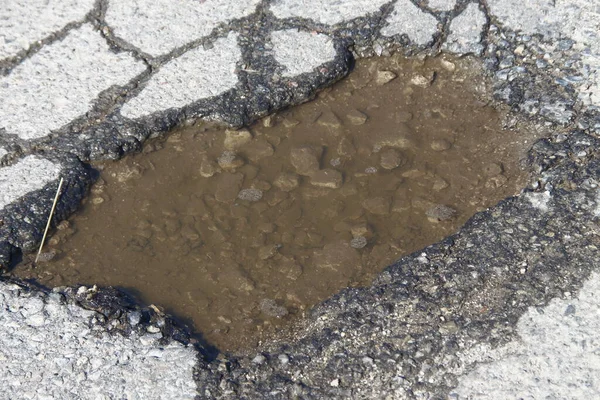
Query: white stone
[[29, 174], [539, 200], [159, 26], [195, 75], [576, 19], [442, 5], [596, 210], [54, 355], [408, 19], [35, 306], [35, 320], [59, 83], [25, 22], [466, 30], [301, 52], [328, 12], [557, 355]]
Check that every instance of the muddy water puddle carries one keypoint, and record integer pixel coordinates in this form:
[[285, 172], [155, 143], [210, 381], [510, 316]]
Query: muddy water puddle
[[241, 232]]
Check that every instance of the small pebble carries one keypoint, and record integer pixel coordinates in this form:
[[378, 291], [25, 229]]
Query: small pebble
[[329, 120], [383, 77], [447, 65], [207, 168], [270, 308], [153, 329], [283, 359], [359, 242], [236, 139], [492, 169], [440, 145], [390, 159], [258, 149], [421, 81], [286, 181], [397, 138], [496, 181], [228, 186], [570, 310], [230, 161], [440, 212], [413, 174], [345, 148], [269, 122], [250, 194], [327, 178], [54, 241], [261, 185], [290, 122], [47, 256], [356, 117], [259, 359], [267, 252], [377, 205], [519, 50], [448, 328], [150, 338], [335, 162], [129, 172], [63, 225], [361, 229], [439, 184], [305, 159], [134, 317]]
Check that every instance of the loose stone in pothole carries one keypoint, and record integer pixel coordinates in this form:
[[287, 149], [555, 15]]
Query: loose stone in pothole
[[241, 232]]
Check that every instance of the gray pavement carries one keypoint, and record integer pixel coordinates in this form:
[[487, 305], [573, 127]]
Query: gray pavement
[[54, 349], [506, 308]]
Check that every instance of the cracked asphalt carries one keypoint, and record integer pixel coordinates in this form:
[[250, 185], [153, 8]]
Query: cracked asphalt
[[506, 308]]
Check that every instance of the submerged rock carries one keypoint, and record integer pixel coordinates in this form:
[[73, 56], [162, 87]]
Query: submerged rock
[[440, 212], [328, 178], [390, 159], [228, 187], [286, 181], [383, 77], [229, 161], [305, 159], [236, 139], [356, 117], [270, 308], [377, 205], [359, 242], [250, 194]]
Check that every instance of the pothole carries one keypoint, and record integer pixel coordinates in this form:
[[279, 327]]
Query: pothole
[[241, 232]]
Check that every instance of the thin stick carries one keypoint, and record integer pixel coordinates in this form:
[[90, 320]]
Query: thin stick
[[49, 220]]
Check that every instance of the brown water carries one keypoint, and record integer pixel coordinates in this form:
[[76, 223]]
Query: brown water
[[241, 232]]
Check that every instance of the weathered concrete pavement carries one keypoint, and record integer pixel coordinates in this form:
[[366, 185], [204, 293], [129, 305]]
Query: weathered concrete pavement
[[506, 308]]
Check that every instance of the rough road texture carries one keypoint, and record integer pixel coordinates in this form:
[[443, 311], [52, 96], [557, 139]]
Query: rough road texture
[[465, 318], [68, 352]]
